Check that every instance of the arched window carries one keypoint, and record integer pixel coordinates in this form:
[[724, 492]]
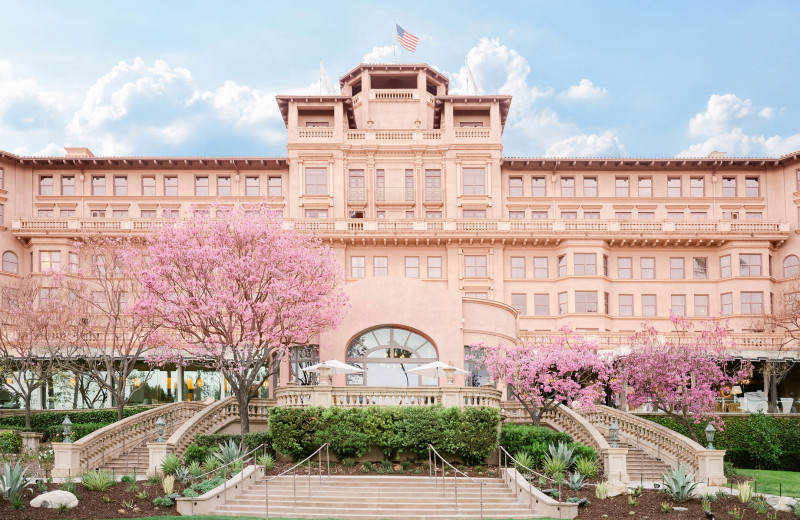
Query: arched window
[[10, 262], [387, 353], [791, 266]]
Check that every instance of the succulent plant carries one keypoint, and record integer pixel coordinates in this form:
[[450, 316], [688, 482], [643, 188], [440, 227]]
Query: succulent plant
[[679, 483]]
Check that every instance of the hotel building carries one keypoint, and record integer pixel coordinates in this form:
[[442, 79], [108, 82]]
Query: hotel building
[[447, 242]]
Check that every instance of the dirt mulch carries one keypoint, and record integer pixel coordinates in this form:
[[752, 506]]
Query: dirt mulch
[[91, 504]]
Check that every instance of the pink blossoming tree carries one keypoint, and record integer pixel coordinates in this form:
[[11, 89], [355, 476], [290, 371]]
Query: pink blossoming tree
[[680, 374], [237, 291], [547, 371]]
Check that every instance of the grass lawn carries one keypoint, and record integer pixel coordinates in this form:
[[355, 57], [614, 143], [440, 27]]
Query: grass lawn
[[768, 481]]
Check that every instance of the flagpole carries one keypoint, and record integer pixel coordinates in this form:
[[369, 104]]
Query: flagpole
[[320, 76], [394, 43], [466, 60]]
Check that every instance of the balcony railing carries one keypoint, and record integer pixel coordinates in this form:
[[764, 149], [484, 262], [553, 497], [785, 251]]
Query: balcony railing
[[394, 194], [315, 133], [394, 94], [473, 133], [761, 229], [357, 194], [433, 194]]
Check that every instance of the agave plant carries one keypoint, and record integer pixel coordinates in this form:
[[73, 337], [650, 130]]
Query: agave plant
[[195, 469], [575, 481], [587, 466], [679, 483], [553, 465], [524, 459], [563, 453], [228, 452], [601, 491], [12, 480], [182, 473]]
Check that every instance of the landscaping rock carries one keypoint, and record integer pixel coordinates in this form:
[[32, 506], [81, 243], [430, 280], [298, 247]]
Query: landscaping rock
[[616, 488], [701, 490], [54, 500], [781, 503], [680, 508]]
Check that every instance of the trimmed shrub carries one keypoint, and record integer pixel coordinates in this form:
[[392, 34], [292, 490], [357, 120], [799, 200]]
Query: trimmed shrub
[[196, 453], [536, 440], [10, 442], [42, 420], [762, 441], [56, 433]]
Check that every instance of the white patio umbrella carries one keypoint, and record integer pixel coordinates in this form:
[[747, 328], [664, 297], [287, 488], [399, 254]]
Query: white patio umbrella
[[334, 367], [437, 369]]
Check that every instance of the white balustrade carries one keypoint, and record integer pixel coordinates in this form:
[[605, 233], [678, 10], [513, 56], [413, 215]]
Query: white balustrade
[[294, 396]]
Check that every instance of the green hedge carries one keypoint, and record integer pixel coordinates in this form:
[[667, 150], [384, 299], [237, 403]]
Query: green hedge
[[10, 442], [42, 420], [750, 443], [252, 440], [56, 433], [469, 434], [535, 440]]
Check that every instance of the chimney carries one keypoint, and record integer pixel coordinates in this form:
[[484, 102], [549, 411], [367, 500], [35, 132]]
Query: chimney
[[78, 152]]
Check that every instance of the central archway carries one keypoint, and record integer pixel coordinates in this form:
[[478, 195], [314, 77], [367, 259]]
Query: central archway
[[386, 354]]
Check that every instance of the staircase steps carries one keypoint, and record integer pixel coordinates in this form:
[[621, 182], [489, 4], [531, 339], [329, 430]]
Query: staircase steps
[[641, 466], [378, 497], [136, 458]]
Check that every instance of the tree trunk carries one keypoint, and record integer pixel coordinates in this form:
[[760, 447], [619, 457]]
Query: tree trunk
[[773, 395], [244, 401], [767, 378], [28, 410]]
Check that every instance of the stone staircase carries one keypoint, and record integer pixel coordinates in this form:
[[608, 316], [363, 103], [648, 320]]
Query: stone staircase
[[136, 458], [642, 467], [377, 497]]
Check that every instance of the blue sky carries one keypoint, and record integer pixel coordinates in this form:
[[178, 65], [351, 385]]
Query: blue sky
[[593, 78]]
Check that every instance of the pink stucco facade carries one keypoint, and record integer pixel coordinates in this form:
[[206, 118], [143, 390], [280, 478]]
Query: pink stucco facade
[[443, 235]]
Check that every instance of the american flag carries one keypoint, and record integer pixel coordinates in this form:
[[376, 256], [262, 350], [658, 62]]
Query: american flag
[[406, 39]]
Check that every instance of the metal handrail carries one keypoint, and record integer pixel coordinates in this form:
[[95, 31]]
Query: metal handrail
[[317, 452], [432, 455]]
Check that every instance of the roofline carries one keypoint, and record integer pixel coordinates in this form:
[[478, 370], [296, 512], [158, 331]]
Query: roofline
[[283, 101], [645, 164], [237, 163], [394, 66]]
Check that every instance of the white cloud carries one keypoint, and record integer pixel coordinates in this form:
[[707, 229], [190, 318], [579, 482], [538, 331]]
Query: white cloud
[[606, 144], [584, 90], [379, 55], [722, 125]]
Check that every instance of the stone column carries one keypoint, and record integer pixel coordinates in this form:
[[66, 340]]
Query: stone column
[[615, 464], [67, 459], [709, 467], [179, 397], [157, 451], [30, 441]]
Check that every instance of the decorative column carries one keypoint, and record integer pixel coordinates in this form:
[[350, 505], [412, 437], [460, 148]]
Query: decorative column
[[179, 393], [67, 459], [615, 464], [709, 467]]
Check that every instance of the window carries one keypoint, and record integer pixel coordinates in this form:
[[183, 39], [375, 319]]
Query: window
[[749, 265], [729, 186], [252, 186], [673, 186], [562, 265], [474, 213], [98, 213], [697, 187], [538, 215], [46, 185], [45, 213], [357, 267], [515, 187], [10, 262], [751, 188], [725, 266], [2, 215], [726, 301], [316, 124], [732, 215], [48, 295], [700, 268], [605, 266], [590, 186], [517, 267], [474, 183], [477, 375], [791, 266], [149, 186], [649, 305], [412, 267], [622, 215], [540, 267], [68, 213], [538, 187], [698, 215], [120, 185], [433, 185], [645, 186], [201, 212], [201, 186], [380, 266], [753, 215], [752, 302], [622, 186], [678, 306], [316, 181], [675, 215], [68, 185], [274, 186], [646, 215], [148, 213], [569, 215], [98, 185], [170, 213], [676, 269], [223, 186], [410, 214], [474, 266], [74, 263], [516, 215], [797, 173], [606, 306], [119, 213], [409, 185], [433, 215], [701, 305], [585, 264], [626, 305], [380, 214], [49, 261], [563, 300], [520, 302], [591, 215], [541, 304], [479, 295], [1, 179], [625, 268], [170, 186], [567, 186], [434, 267], [316, 213], [585, 301]]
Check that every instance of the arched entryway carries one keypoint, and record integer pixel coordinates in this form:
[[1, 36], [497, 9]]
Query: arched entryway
[[386, 353]]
